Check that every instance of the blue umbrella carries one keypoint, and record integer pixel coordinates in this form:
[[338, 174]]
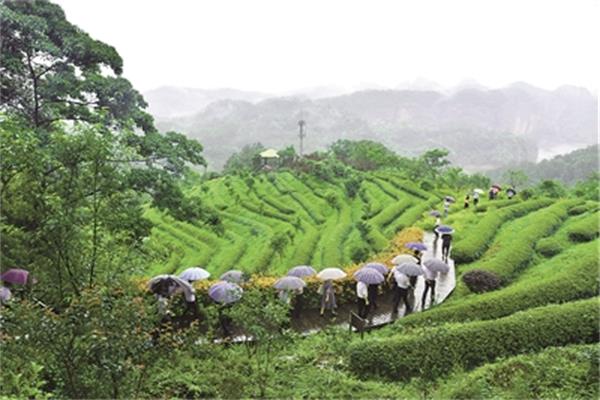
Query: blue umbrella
[[369, 276], [289, 283], [435, 213], [382, 269], [225, 292], [301, 271], [233, 276], [435, 265], [444, 229], [416, 246], [410, 269], [194, 274]]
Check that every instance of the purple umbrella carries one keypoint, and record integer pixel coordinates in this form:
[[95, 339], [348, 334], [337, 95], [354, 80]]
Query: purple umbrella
[[5, 294], [289, 283], [435, 213], [382, 269], [416, 246], [444, 229], [410, 269], [369, 276], [435, 265], [15, 275], [225, 292], [234, 276], [301, 271], [450, 199]]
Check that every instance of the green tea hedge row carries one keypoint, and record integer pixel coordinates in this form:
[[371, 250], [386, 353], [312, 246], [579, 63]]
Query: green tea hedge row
[[405, 186], [567, 277], [586, 229], [391, 212], [569, 372], [436, 351], [516, 247], [477, 239], [549, 247], [411, 215]]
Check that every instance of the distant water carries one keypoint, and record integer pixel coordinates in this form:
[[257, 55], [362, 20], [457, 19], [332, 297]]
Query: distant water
[[549, 152]]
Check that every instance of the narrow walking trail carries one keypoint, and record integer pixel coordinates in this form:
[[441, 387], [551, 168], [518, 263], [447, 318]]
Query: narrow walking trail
[[310, 320]]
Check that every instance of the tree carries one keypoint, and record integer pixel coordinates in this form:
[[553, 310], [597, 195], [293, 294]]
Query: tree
[[246, 160], [433, 161], [263, 319], [50, 70], [515, 178]]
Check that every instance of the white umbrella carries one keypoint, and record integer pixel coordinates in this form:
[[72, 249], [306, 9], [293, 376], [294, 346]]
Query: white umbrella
[[168, 285], [403, 258], [435, 265], [194, 274], [331, 273], [480, 191]]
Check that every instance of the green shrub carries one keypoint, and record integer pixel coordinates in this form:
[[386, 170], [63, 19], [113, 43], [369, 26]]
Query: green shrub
[[436, 351], [563, 278], [477, 239], [514, 247], [549, 247], [479, 281], [558, 372], [585, 230], [391, 212], [577, 210]]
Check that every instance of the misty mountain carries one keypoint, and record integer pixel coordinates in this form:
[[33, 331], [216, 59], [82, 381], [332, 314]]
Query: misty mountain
[[169, 101], [568, 168], [483, 129]]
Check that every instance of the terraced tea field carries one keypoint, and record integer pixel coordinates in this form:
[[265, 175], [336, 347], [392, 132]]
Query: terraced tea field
[[317, 221]]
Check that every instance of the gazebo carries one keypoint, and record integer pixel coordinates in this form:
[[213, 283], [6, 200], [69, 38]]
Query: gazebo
[[269, 158]]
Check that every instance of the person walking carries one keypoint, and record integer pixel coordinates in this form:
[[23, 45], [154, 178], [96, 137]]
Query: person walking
[[475, 199], [446, 207], [401, 288], [362, 295], [328, 302], [446, 243], [430, 279], [373, 291], [467, 198]]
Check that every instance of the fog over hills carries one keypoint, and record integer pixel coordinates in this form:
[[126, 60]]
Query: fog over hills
[[483, 128]]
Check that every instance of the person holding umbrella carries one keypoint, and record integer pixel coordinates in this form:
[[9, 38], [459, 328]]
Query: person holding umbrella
[[475, 197], [467, 198], [362, 297], [446, 243], [328, 302], [401, 288]]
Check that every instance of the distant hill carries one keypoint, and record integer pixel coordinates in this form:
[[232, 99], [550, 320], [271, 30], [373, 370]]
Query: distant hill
[[168, 101], [568, 168], [483, 129]]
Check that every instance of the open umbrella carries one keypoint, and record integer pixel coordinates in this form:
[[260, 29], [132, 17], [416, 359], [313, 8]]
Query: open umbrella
[[495, 185], [369, 276], [194, 274], [5, 294], [17, 276], [331, 273], [511, 190], [301, 271], [379, 267], [477, 190], [289, 283], [402, 258], [435, 213], [416, 246], [444, 229], [450, 199], [168, 285], [225, 292], [435, 265], [233, 276], [410, 269]]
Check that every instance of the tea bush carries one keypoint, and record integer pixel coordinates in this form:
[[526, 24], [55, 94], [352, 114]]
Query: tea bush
[[479, 237], [434, 352]]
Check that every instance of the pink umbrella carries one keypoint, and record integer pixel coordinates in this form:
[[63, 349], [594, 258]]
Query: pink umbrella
[[15, 275]]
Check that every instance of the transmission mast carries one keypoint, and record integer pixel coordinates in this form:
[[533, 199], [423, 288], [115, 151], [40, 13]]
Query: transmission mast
[[302, 135]]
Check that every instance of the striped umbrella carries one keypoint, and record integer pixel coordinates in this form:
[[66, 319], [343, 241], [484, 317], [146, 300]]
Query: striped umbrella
[[225, 292], [410, 269], [369, 276], [379, 267], [435, 265], [402, 258], [234, 276], [301, 271]]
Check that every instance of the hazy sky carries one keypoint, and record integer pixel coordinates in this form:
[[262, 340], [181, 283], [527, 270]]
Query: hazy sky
[[278, 45]]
